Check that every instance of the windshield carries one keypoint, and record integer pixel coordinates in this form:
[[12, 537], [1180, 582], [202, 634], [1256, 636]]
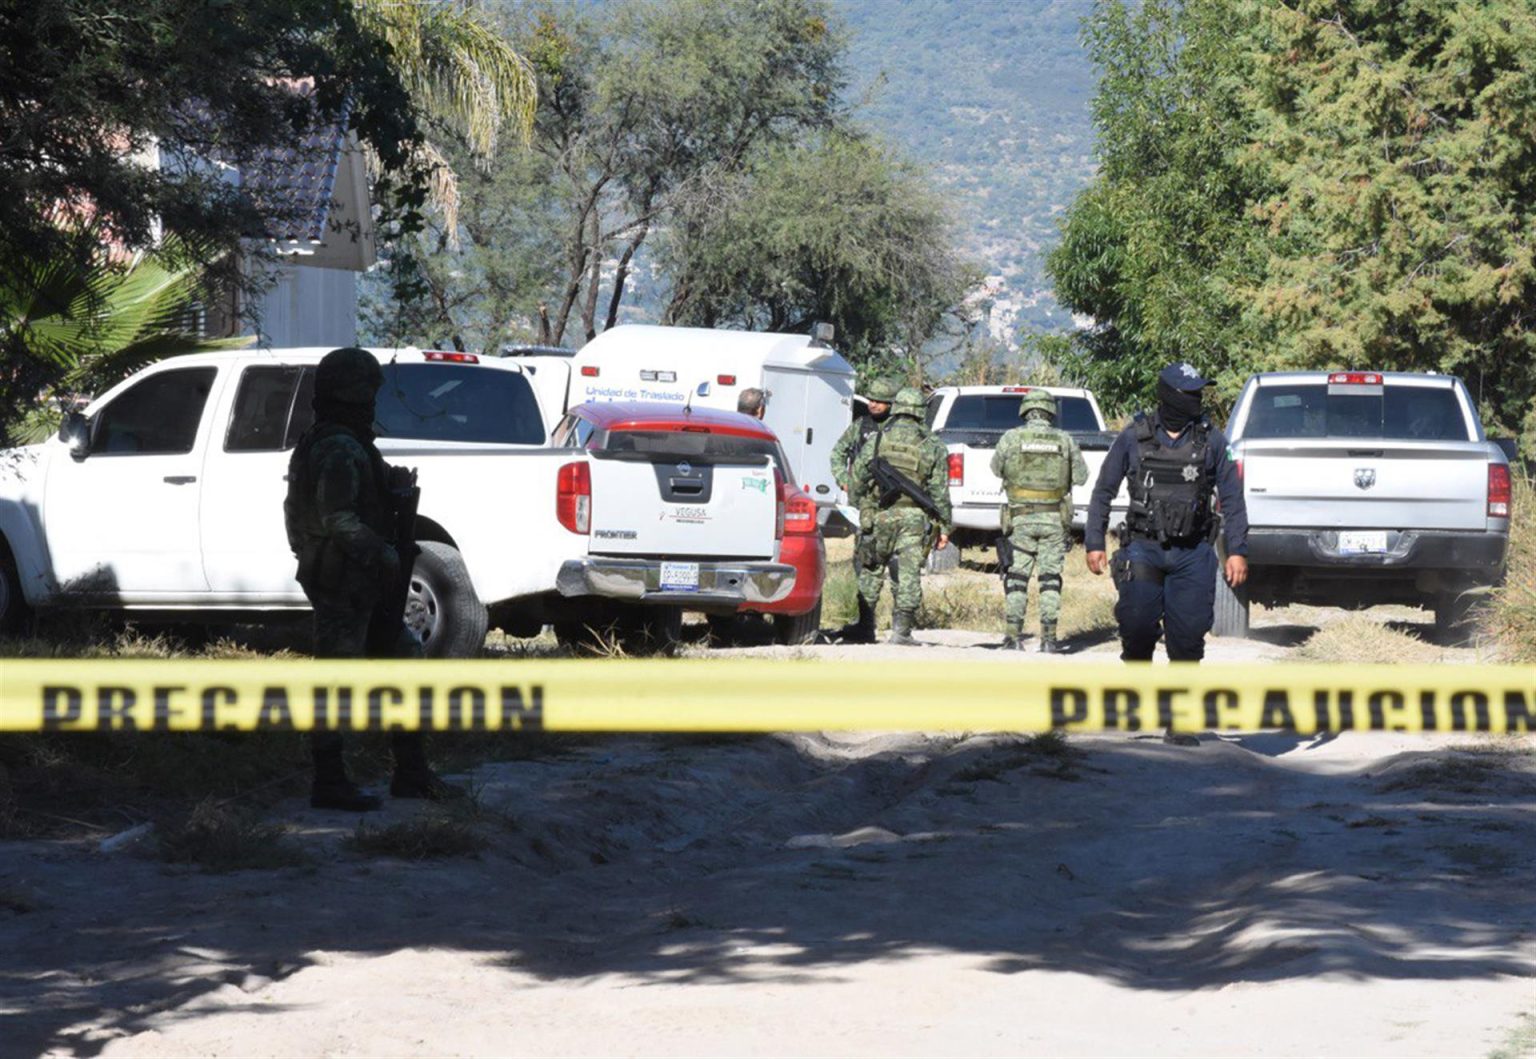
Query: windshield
[[1317, 410], [1000, 412], [457, 402], [682, 444]]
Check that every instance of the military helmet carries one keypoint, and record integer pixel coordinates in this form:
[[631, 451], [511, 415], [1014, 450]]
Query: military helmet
[[908, 402], [883, 389], [349, 375], [1037, 401]]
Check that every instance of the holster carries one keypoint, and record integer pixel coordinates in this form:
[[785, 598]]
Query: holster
[[1124, 569], [1004, 555]]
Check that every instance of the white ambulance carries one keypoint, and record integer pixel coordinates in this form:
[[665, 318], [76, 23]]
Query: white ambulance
[[809, 387]]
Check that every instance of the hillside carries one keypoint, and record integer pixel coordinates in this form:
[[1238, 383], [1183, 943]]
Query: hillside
[[995, 96]]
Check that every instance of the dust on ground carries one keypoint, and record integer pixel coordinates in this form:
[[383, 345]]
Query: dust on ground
[[866, 894]]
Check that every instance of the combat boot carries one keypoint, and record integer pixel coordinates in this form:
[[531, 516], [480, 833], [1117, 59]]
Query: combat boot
[[1048, 642], [861, 629], [413, 777], [333, 788], [901, 629], [1013, 640]]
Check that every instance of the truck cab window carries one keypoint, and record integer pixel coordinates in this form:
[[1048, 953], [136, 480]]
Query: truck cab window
[[156, 416], [263, 404]]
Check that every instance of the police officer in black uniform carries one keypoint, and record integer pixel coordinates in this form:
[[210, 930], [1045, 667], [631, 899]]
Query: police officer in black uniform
[[1173, 461]]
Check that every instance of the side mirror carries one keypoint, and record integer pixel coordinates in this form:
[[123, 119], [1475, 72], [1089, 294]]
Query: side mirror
[[75, 432]]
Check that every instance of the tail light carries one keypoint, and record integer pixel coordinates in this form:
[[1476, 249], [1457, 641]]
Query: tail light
[[1355, 378], [590, 371], [573, 497], [799, 514], [778, 509], [957, 468], [450, 358], [1498, 490]]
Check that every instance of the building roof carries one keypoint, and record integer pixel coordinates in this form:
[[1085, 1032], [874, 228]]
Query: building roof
[[295, 186]]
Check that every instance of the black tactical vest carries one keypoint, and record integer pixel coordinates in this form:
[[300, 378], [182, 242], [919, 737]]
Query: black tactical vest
[[1170, 489]]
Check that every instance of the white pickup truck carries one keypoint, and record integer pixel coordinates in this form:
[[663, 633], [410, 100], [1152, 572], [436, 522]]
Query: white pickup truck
[[165, 497], [971, 419], [1365, 488]]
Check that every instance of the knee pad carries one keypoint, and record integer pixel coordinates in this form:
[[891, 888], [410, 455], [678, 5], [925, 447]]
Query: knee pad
[[1016, 583], [1050, 582]]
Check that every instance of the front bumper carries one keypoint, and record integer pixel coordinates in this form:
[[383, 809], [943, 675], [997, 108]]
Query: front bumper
[[1409, 550], [727, 584]]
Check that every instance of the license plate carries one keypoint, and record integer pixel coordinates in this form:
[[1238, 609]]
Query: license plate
[[679, 577], [1363, 543]]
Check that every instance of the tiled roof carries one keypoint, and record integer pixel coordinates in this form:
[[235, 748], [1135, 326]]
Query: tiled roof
[[295, 186]]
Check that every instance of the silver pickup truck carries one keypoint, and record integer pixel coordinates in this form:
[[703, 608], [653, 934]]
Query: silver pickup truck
[[1366, 488]]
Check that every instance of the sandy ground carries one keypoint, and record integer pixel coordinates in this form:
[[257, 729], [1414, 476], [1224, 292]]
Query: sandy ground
[[864, 895]]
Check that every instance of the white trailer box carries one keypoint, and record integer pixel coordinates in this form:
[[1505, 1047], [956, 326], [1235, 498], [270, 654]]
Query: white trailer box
[[810, 385]]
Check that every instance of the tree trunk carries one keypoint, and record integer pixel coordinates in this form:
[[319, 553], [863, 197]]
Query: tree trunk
[[594, 276], [545, 337], [622, 274]]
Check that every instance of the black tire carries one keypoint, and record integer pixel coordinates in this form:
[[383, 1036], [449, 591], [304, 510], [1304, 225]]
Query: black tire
[[15, 614], [795, 629], [1453, 612], [1231, 607], [657, 630], [943, 560], [442, 608], [722, 629]]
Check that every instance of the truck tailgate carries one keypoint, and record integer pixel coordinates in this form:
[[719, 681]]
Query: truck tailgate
[[1365, 483], [703, 507]]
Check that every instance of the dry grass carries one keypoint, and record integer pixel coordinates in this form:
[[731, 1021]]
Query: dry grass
[[218, 837], [1357, 638], [434, 836], [972, 596], [1510, 617]]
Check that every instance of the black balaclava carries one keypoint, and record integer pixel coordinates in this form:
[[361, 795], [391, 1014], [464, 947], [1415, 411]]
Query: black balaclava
[[357, 418], [883, 416], [1176, 408]]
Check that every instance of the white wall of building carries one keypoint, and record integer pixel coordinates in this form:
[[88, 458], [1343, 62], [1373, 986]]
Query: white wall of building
[[303, 306]]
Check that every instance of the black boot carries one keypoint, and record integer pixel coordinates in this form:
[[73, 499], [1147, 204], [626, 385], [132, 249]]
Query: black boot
[[413, 777], [1048, 642], [901, 629], [1013, 641], [860, 630], [332, 787]]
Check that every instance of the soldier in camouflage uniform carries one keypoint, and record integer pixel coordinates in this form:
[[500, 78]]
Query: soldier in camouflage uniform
[[340, 522], [1038, 465], [877, 398], [895, 527]]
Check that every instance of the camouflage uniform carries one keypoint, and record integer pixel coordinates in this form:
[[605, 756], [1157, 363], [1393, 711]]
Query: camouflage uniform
[[847, 449], [339, 522], [1038, 465], [895, 528]]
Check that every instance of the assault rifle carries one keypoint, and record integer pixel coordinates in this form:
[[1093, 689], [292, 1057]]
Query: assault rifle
[[892, 482], [404, 497]]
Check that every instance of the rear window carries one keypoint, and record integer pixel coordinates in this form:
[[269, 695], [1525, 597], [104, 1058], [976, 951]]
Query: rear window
[[692, 444], [1000, 412], [447, 402], [1316, 410]]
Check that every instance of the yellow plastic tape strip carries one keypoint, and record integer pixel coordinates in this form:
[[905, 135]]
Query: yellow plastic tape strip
[[756, 695]]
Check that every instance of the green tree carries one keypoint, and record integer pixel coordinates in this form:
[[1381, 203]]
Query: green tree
[[837, 230]]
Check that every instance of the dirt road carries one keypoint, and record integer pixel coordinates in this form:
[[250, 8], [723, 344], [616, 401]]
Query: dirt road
[[880, 894]]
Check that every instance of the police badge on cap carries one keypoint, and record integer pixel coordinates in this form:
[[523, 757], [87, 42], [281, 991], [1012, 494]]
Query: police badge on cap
[[1184, 377]]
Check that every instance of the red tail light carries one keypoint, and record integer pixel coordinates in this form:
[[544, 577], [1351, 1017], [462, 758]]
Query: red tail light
[[573, 497], [1499, 491], [1354, 378], [451, 358], [799, 514], [957, 468], [726, 380], [778, 508], [589, 371], [1239, 470]]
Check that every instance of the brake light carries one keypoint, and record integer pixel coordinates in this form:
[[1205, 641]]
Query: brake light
[[799, 514], [573, 497], [590, 371], [957, 468], [1355, 378], [1015, 389], [1499, 491], [778, 508], [725, 380], [452, 358]]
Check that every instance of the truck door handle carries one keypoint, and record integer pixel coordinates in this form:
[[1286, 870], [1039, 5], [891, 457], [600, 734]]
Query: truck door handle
[[809, 431], [180, 479]]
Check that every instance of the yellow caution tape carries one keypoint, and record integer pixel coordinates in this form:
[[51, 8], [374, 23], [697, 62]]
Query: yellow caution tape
[[756, 695]]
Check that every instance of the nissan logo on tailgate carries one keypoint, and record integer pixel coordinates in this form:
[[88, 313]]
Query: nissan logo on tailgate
[[1365, 477], [685, 469]]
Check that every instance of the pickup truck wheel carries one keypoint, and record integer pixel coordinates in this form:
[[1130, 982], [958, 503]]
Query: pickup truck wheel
[[943, 560], [794, 629], [1231, 607], [1452, 613], [15, 615], [442, 608]]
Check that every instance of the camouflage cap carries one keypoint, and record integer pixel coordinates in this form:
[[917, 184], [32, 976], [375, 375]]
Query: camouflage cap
[[1037, 401], [908, 402], [883, 389], [349, 375]]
